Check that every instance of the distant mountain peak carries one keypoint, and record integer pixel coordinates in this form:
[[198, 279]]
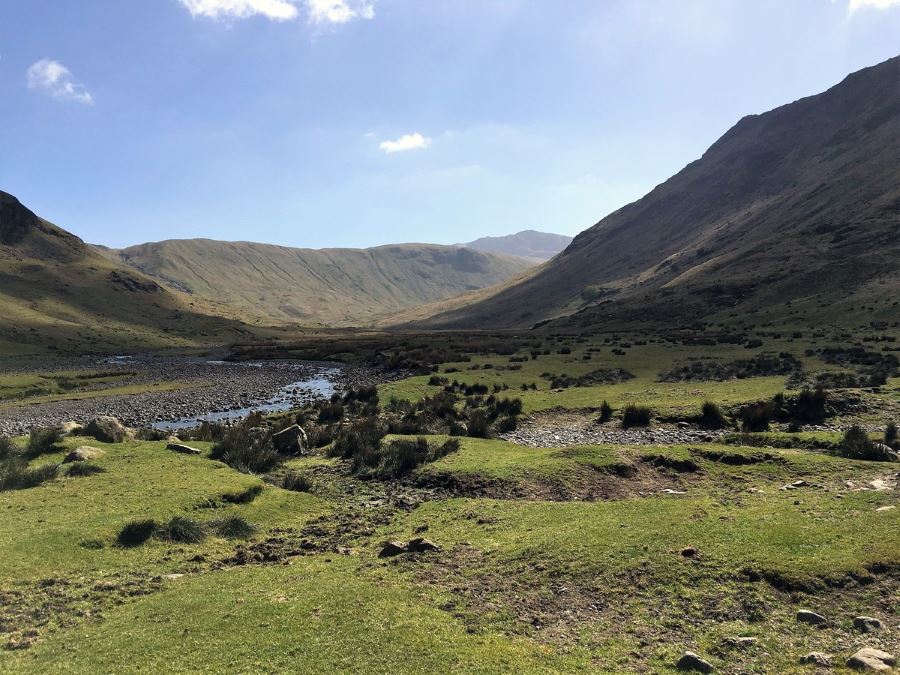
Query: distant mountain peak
[[524, 244]]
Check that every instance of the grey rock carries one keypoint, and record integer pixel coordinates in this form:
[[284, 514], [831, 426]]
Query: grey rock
[[691, 661], [393, 548], [291, 440], [182, 449], [819, 659], [872, 659], [422, 545], [84, 453], [867, 624], [806, 616]]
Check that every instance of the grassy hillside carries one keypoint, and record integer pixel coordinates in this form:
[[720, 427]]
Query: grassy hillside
[[793, 214], [331, 286], [56, 292]]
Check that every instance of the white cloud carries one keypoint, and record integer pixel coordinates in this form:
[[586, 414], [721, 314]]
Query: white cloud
[[278, 10], [322, 12], [55, 79], [339, 11], [407, 142], [875, 4]]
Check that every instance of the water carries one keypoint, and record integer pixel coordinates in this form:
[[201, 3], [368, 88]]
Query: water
[[285, 399]]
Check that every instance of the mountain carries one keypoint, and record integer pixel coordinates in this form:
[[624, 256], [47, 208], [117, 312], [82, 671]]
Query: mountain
[[793, 214], [269, 283], [58, 292], [538, 246]]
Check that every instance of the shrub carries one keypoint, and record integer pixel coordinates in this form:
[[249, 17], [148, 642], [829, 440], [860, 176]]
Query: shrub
[[636, 416], [361, 438], [82, 469], [331, 412], [890, 434], [400, 457], [233, 527], [247, 449], [711, 417], [606, 412], [135, 533], [507, 424], [183, 530], [479, 425], [15, 474], [8, 449], [296, 481], [757, 416], [809, 407], [43, 440]]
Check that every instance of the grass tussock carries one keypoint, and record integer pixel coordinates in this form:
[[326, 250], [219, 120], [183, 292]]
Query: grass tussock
[[183, 530], [296, 481], [43, 441], [233, 527], [248, 450], [636, 416], [83, 469], [136, 533]]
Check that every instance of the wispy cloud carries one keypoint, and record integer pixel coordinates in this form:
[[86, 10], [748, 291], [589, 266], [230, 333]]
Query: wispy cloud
[[54, 79], [874, 4], [320, 12], [277, 10], [339, 11], [407, 142]]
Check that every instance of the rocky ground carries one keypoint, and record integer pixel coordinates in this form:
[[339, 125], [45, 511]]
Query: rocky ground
[[213, 387]]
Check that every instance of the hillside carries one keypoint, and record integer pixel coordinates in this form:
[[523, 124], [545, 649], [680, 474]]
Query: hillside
[[332, 286], [58, 292], [526, 244], [793, 214]]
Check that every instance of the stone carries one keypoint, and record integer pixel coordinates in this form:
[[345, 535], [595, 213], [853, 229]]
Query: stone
[[867, 624], [882, 509], [806, 616], [291, 440], [691, 661], [422, 545], [182, 449], [819, 659], [868, 658], [172, 577], [71, 428], [393, 548], [106, 429], [84, 453]]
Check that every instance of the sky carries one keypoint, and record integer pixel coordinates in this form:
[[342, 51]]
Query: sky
[[334, 123]]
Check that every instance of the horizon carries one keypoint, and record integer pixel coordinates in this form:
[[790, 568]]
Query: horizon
[[249, 132]]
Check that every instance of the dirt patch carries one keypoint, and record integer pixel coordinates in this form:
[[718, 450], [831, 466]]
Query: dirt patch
[[671, 463], [737, 458]]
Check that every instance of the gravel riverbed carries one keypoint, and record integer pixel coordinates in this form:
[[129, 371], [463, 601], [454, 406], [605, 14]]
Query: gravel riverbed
[[213, 387]]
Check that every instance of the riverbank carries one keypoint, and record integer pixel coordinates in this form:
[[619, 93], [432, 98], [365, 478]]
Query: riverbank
[[205, 389]]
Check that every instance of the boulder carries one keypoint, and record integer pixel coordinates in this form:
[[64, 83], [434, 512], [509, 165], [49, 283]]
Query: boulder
[[691, 661], [290, 441], [421, 545], [867, 624], [819, 659], [183, 449], [106, 429], [84, 453], [813, 619], [868, 658], [71, 428], [393, 548]]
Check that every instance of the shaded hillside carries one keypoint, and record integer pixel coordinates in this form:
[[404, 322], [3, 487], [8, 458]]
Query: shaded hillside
[[799, 205], [57, 292], [333, 286], [526, 244]]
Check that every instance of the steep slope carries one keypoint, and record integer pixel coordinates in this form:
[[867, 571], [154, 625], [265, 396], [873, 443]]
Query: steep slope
[[333, 286], [799, 205], [57, 292], [526, 244]]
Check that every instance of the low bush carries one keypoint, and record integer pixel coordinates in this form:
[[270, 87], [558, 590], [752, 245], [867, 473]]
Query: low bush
[[233, 527], [711, 417], [295, 481], [183, 530], [8, 449], [890, 435], [135, 533], [331, 412], [400, 457], [43, 440], [710, 370], [359, 439], [606, 412], [636, 416], [247, 449], [856, 444], [15, 474], [757, 416]]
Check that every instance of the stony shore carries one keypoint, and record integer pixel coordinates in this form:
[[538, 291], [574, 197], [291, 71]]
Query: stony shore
[[212, 387]]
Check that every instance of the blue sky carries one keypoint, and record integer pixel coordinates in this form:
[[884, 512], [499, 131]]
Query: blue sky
[[355, 123]]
